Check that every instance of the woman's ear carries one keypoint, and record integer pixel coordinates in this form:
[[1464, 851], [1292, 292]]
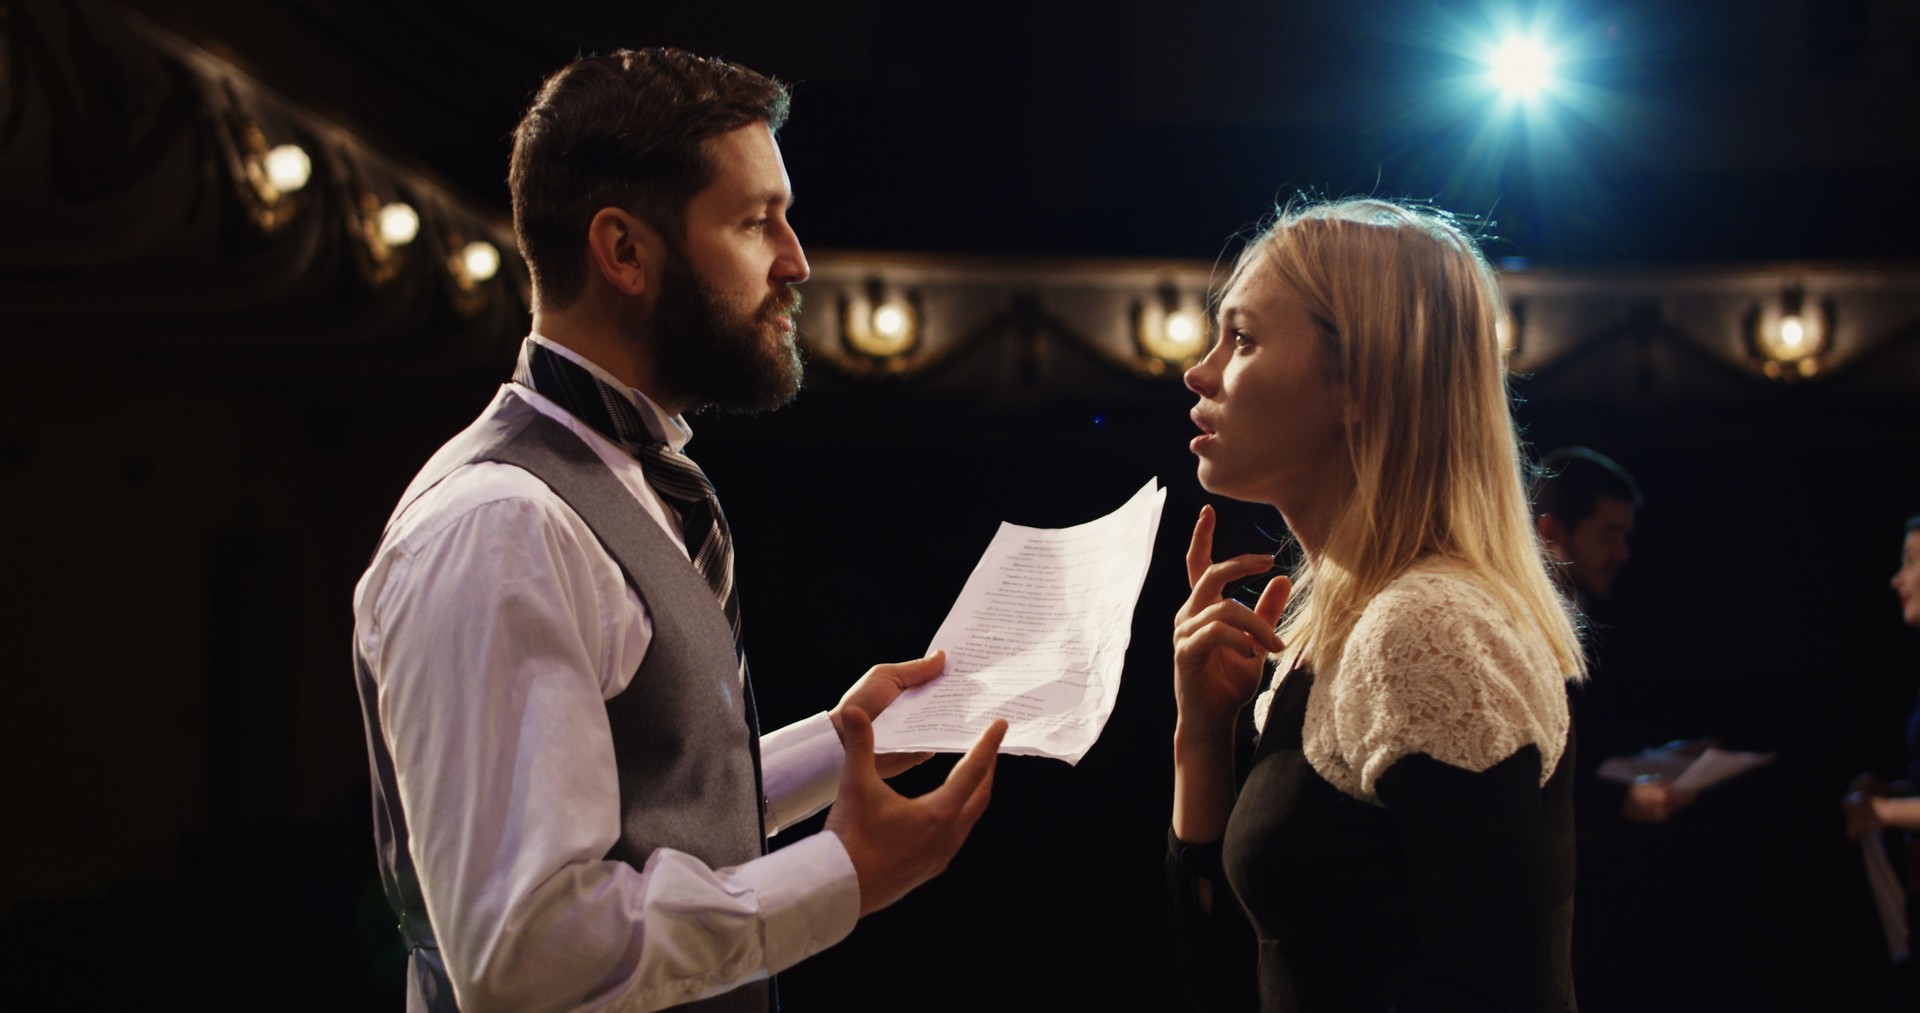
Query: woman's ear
[[624, 251]]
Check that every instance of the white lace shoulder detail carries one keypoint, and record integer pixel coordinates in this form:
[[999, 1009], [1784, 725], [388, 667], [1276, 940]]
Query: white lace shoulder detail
[[1434, 665]]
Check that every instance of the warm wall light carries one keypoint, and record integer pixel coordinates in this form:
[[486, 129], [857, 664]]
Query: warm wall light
[[480, 260], [877, 324], [288, 168], [399, 223], [379, 265], [1789, 340], [1510, 330], [1170, 329]]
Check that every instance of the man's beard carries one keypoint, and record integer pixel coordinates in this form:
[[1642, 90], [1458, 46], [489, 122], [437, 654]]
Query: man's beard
[[716, 357]]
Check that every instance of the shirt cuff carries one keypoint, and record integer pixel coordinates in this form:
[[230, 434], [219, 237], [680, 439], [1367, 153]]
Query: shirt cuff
[[809, 898], [800, 766]]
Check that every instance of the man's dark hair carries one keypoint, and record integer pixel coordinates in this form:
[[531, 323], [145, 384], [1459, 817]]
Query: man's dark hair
[[1571, 480], [623, 130]]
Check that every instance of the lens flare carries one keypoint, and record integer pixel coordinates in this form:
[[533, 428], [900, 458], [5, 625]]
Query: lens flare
[[1521, 67]]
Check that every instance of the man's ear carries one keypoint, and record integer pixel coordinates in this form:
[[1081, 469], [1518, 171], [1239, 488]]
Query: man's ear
[[1551, 532], [624, 250]]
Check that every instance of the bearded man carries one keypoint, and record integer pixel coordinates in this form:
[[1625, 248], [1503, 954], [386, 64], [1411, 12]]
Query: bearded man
[[572, 796]]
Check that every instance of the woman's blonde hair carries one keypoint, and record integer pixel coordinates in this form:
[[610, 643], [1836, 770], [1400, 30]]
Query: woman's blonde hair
[[1407, 310]]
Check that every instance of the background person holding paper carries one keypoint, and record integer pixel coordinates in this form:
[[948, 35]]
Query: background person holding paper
[[1873, 804], [1404, 836], [1585, 504], [572, 797]]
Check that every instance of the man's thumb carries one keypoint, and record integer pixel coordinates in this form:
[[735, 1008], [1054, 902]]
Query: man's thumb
[[856, 735]]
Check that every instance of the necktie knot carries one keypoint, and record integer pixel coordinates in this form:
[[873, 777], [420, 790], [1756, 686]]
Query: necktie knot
[[671, 474]]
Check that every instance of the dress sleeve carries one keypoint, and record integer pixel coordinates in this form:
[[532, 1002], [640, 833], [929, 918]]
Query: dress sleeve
[[1435, 668], [485, 633], [1479, 859]]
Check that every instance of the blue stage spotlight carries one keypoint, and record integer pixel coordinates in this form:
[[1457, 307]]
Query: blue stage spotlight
[[1521, 67]]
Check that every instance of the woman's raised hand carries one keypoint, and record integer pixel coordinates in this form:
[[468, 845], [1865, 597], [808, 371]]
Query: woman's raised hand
[[1219, 645]]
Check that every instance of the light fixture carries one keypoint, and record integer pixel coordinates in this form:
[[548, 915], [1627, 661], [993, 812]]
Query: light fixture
[[1170, 329], [399, 223], [479, 260], [288, 168], [878, 324], [1521, 67], [267, 176], [1789, 339], [1510, 329]]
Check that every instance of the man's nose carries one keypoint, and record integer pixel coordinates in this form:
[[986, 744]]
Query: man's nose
[[790, 264]]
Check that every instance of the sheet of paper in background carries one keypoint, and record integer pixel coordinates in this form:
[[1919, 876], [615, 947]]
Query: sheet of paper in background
[[1889, 896], [1684, 769], [1716, 766], [1038, 636]]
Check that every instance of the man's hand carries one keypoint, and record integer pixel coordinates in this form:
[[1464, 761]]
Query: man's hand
[[879, 687], [897, 843]]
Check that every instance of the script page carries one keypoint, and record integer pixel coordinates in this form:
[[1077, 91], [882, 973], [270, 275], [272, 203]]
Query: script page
[[1719, 765], [1038, 636]]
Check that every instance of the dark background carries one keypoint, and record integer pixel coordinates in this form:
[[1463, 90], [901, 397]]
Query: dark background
[[191, 497]]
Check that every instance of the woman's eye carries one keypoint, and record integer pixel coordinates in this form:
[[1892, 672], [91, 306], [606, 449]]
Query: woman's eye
[[1240, 339]]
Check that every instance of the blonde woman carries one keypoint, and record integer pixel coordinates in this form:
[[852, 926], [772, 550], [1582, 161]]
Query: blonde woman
[[1403, 838]]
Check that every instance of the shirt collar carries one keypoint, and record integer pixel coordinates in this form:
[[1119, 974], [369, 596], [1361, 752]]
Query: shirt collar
[[669, 429]]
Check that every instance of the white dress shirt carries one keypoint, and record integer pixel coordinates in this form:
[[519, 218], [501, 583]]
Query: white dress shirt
[[496, 628]]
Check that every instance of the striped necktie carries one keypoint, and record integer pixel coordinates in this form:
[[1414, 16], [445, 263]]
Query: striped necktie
[[673, 475]]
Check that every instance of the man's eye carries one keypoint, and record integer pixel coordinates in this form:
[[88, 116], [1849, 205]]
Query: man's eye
[[756, 224]]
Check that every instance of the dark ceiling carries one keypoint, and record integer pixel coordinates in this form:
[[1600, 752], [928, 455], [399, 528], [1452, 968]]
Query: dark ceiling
[[1716, 130]]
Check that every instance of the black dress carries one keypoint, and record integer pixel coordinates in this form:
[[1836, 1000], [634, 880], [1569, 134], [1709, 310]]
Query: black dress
[[1455, 894]]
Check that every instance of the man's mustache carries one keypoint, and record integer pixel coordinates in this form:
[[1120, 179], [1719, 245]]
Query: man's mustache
[[785, 302]]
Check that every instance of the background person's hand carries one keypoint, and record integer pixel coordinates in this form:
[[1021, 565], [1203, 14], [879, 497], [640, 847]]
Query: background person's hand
[[1653, 800], [1862, 812], [897, 843]]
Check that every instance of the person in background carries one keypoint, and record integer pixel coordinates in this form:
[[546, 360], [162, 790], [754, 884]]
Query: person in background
[[1404, 836], [1584, 505], [1873, 805]]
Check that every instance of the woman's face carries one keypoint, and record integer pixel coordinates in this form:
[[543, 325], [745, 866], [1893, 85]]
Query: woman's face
[[1271, 420], [1906, 580]]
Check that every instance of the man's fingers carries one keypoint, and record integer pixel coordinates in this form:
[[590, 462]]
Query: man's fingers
[[1200, 550], [974, 769], [856, 740], [976, 803], [892, 765], [912, 673]]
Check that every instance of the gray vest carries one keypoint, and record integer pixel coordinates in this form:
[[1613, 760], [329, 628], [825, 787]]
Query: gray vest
[[685, 738]]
